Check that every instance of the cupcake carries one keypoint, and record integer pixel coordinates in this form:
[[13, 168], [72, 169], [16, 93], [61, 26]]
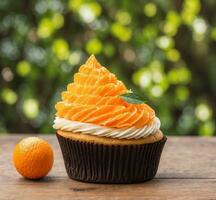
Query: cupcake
[[106, 133]]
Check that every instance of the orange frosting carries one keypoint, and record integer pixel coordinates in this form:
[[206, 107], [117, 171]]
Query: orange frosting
[[94, 97]]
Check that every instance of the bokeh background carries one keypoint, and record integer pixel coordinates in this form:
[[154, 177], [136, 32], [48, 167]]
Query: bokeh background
[[163, 50]]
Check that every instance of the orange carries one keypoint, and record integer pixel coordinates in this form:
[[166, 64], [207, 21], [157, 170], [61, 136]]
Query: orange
[[33, 157]]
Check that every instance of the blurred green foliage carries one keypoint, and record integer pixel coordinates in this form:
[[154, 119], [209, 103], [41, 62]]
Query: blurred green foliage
[[164, 50]]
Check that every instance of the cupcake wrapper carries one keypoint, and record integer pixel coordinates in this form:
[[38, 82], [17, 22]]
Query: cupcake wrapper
[[99, 163]]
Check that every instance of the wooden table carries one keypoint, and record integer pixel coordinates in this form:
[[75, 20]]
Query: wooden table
[[187, 171]]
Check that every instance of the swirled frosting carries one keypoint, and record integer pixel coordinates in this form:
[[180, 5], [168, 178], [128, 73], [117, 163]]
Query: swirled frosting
[[121, 133], [94, 98]]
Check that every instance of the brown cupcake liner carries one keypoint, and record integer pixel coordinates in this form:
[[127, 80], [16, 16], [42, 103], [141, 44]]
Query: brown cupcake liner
[[99, 163]]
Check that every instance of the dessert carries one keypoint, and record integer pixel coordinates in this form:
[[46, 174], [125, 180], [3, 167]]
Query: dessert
[[104, 137]]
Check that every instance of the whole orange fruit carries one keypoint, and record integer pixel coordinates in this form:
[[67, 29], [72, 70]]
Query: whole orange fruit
[[33, 157]]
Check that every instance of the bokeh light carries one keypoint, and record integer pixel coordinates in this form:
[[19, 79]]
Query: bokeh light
[[60, 48], [89, 11], [121, 32], [207, 128], [200, 28], [9, 96], [75, 58], [190, 10], [94, 46], [47, 26], [165, 42], [23, 68], [172, 23], [173, 55], [7, 74], [182, 93], [31, 108], [179, 75], [203, 112], [123, 17], [150, 9]]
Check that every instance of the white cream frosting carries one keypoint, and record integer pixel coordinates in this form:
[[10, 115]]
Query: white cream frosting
[[92, 129]]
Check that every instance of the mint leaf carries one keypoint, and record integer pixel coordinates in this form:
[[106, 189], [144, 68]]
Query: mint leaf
[[132, 98]]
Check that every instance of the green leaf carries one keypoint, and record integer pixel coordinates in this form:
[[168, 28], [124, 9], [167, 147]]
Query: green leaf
[[132, 98]]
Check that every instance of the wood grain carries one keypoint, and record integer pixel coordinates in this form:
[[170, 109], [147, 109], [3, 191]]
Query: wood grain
[[187, 171]]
